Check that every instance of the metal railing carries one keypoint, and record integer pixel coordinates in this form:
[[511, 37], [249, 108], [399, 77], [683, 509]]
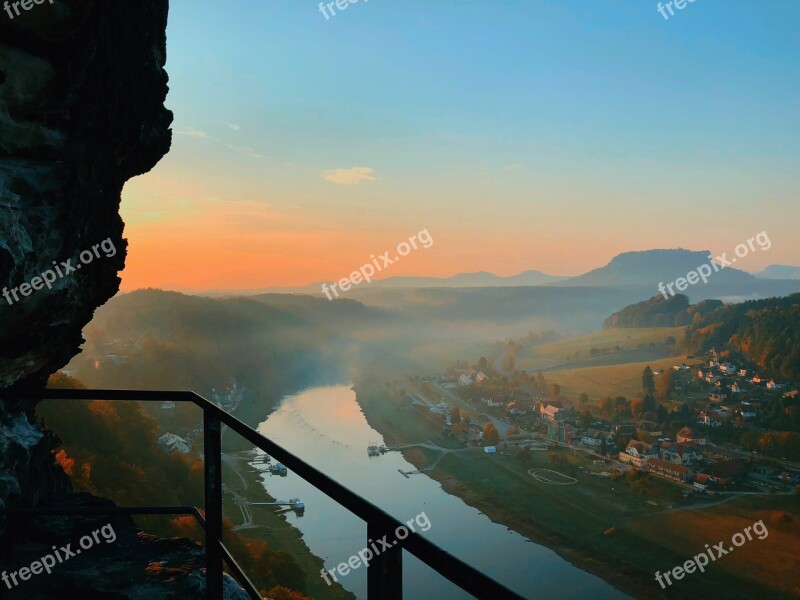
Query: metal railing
[[384, 572]]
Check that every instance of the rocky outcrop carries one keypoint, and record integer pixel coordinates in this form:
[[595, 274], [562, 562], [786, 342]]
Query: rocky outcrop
[[120, 562], [82, 90]]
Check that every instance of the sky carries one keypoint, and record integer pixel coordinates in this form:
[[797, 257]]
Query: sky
[[530, 134]]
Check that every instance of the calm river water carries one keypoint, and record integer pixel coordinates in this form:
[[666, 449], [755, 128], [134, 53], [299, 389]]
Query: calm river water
[[325, 426]]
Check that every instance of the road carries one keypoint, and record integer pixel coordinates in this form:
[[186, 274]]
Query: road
[[502, 426]]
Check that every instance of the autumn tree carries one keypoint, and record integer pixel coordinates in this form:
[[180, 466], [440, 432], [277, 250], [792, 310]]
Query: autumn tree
[[490, 434], [282, 593], [637, 406], [648, 381], [666, 385], [555, 391], [455, 414]]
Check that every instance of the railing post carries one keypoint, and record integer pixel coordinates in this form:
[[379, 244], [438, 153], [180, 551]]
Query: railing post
[[212, 440], [385, 571]]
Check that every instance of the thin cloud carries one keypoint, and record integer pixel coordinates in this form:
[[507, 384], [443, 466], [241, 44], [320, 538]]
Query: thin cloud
[[251, 152], [349, 176], [233, 126], [195, 134], [202, 135]]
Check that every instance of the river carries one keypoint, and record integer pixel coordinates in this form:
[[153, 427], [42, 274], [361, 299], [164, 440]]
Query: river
[[326, 427]]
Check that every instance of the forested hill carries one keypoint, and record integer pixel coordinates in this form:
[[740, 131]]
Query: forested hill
[[766, 331], [658, 312]]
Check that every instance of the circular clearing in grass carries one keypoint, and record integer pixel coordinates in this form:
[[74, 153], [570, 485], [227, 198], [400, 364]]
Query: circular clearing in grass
[[551, 477]]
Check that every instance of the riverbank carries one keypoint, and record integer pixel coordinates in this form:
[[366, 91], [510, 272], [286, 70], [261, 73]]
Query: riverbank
[[243, 483], [603, 527]]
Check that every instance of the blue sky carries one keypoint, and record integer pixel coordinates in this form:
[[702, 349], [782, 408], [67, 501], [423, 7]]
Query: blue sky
[[522, 132]]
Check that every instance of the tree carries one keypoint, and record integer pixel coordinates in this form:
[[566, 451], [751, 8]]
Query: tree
[[650, 403], [508, 363], [483, 364], [541, 384], [666, 385], [583, 398], [605, 405], [524, 455], [455, 414], [637, 406], [648, 381], [283, 593], [555, 391], [490, 434]]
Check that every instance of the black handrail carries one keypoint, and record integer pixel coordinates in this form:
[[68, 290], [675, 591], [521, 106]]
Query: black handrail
[[384, 573]]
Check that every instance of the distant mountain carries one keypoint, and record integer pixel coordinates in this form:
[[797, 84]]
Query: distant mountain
[[462, 280], [479, 279], [650, 267], [779, 272]]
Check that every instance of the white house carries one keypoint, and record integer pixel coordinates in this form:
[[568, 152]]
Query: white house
[[710, 419], [490, 449], [464, 380], [592, 438], [172, 442], [771, 385], [747, 410], [638, 453]]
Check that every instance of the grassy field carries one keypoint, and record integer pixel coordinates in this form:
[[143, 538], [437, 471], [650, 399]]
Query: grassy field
[[613, 374], [548, 355], [644, 538], [615, 380]]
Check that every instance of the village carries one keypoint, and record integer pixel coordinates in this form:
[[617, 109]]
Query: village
[[695, 444]]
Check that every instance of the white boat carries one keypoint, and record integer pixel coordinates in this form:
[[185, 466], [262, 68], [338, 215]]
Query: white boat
[[278, 468]]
